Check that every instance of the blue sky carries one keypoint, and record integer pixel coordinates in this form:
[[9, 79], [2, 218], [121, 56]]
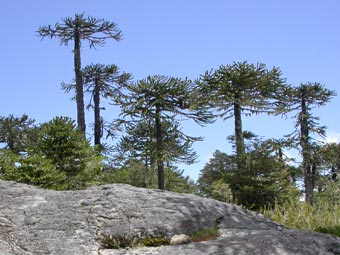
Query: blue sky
[[177, 38]]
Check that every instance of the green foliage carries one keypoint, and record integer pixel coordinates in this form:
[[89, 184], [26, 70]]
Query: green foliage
[[64, 145], [136, 173], [161, 100], [61, 158], [115, 242], [213, 177], [330, 193], [120, 242], [323, 216], [255, 88], [176, 182], [263, 180], [31, 169], [242, 88], [8, 161], [100, 81], [17, 133], [303, 99], [174, 96], [91, 29], [335, 230], [140, 143], [257, 185], [220, 190], [80, 28], [154, 241], [205, 234], [39, 171]]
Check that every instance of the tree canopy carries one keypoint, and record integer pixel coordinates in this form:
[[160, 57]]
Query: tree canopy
[[242, 88], [77, 29], [159, 99]]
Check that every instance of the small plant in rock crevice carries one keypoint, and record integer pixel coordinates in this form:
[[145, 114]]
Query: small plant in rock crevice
[[154, 241], [120, 242], [206, 234], [115, 242]]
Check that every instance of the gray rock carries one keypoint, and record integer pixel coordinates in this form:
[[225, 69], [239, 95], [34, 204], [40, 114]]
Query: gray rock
[[180, 239], [35, 222]]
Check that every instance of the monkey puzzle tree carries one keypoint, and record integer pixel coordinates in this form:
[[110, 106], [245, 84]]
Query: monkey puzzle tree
[[77, 29], [140, 143], [101, 81], [16, 133], [159, 99], [213, 179], [303, 99], [262, 182], [242, 88], [69, 151]]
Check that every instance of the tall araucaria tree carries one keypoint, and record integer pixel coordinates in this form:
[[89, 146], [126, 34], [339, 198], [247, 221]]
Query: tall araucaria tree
[[140, 143], [80, 28], [101, 81], [242, 88], [162, 99], [303, 99]]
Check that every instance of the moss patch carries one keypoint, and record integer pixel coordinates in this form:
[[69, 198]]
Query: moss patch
[[115, 242], [154, 241], [118, 242], [121, 242]]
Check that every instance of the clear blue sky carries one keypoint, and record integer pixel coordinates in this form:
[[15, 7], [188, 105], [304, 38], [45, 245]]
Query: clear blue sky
[[181, 38]]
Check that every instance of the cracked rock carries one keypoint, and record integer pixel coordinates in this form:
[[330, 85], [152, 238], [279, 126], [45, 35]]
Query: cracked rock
[[39, 222]]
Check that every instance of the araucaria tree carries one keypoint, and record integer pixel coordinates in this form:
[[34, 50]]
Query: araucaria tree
[[69, 151], [303, 99], [242, 88], [16, 133], [76, 30], [162, 99], [102, 81]]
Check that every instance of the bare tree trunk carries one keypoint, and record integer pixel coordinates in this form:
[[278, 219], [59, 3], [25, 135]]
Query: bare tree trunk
[[239, 140], [308, 169], [79, 84], [159, 140], [97, 120]]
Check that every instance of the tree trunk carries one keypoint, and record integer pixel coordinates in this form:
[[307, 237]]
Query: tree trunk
[[338, 160], [308, 169], [79, 83], [97, 120], [159, 140], [239, 141]]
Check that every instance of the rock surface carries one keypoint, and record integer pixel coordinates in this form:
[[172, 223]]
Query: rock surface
[[35, 221]]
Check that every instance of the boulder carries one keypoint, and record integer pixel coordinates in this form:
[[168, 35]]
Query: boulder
[[93, 221], [180, 239]]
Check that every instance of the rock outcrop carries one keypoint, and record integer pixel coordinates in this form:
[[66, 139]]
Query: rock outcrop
[[35, 221]]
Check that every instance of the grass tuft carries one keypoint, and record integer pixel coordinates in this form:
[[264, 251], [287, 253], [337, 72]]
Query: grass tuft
[[323, 217], [205, 234]]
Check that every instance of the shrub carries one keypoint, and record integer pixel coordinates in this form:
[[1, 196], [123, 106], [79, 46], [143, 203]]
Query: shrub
[[323, 217]]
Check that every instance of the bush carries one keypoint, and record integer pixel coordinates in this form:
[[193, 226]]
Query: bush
[[323, 217]]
